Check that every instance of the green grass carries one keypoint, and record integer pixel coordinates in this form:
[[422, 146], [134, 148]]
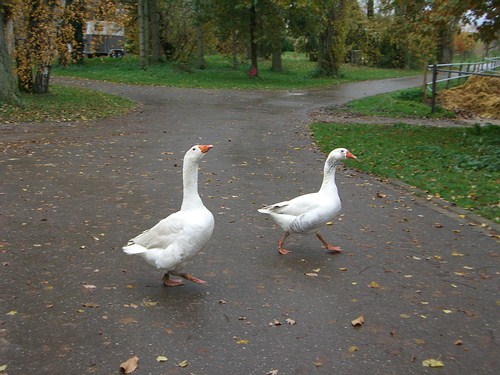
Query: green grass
[[404, 103], [219, 74], [461, 165], [64, 104]]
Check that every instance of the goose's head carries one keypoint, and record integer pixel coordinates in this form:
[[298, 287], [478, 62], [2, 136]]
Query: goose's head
[[336, 156], [341, 153], [196, 152]]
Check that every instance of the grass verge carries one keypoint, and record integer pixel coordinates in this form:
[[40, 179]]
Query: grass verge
[[219, 74], [65, 104], [404, 103], [461, 165]]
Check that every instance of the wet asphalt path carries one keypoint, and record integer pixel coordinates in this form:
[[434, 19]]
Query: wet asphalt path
[[73, 194]]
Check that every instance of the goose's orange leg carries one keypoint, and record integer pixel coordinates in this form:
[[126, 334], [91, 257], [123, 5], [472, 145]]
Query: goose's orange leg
[[281, 243], [334, 249]]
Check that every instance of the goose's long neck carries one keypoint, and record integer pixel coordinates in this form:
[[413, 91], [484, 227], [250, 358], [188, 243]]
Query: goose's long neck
[[190, 198], [329, 175]]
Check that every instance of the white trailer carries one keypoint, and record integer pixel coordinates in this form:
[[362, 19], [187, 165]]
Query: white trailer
[[104, 38]]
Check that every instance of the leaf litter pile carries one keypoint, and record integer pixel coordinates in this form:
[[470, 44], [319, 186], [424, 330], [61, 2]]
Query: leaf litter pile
[[478, 97]]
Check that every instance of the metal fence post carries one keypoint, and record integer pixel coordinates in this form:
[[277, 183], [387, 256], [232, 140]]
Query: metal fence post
[[434, 79]]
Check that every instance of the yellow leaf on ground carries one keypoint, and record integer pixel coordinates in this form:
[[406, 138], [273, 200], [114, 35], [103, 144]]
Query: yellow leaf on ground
[[432, 363], [353, 349], [457, 254], [183, 363], [374, 284], [358, 322], [242, 342], [12, 312], [161, 358], [129, 365]]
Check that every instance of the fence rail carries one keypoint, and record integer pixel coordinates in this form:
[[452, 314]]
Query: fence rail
[[486, 68]]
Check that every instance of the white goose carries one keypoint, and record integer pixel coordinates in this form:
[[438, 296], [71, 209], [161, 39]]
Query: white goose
[[306, 214], [183, 234]]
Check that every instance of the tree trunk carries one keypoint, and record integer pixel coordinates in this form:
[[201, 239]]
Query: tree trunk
[[9, 91], [253, 28], [155, 32], [234, 48], [42, 78], [370, 8], [277, 65], [445, 45], [200, 52], [326, 64], [143, 34]]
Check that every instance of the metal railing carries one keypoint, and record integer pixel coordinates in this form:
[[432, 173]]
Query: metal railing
[[488, 67]]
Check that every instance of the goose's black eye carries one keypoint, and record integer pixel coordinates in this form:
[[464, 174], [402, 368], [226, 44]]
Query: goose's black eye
[[194, 148]]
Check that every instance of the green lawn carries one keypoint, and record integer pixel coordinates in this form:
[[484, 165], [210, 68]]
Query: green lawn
[[461, 165], [219, 74], [64, 104], [404, 103]]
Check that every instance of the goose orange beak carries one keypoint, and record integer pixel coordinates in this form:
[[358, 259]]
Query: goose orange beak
[[350, 156], [204, 148]]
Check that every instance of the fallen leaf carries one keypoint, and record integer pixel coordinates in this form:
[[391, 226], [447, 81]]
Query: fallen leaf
[[353, 349], [89, 286], [127, 320], [380, 195], [169, 331], [161, 358], [316, 269], [183, 363], [457, 254], [404, 316], [447, 311], [150, 303], [311, 274], [358, 322], [3, 367], [419, 341], [242, 342], [318, 363], [290, 321], [12, 312], [439, 225], [273, 372], [129, 365], [432, 363], [374, 284], [90, 305], [275, 322], [343, 269], [458, 342]]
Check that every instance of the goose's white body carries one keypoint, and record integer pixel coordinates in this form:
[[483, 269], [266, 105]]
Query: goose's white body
[[307, 213], [183, 234]]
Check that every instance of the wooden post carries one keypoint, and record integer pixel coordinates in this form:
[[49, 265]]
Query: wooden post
[[434, 79], [424, 93]]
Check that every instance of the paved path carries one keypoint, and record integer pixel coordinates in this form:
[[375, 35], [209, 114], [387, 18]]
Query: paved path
[[72, 303]]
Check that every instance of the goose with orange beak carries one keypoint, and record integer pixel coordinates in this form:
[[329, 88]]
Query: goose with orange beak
[[306, 214], [182, 235]]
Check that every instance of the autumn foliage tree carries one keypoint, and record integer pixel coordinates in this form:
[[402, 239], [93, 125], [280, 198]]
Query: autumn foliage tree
[[48, 29], [9, 92]]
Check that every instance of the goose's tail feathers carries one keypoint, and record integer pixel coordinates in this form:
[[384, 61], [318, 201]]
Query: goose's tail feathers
[[134, 249]]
